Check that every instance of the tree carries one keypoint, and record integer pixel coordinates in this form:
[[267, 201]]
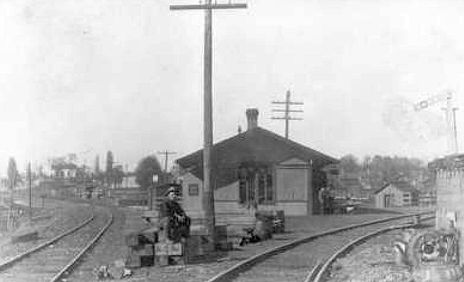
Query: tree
[[109, 168], [349, 164], [13, 175], [145, 170], [380, 170]]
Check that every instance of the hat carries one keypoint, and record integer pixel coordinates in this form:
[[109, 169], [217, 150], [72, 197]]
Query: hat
[[171, 189]]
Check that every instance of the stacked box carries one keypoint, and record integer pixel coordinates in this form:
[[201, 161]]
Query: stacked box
[[140, 256], [141, 249], [165, 252]]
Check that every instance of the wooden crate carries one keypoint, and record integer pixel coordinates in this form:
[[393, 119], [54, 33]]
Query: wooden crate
[[166, 252], [169, 249], [140, 256]]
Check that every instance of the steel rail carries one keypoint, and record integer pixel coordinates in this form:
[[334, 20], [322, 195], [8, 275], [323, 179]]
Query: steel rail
[[312, 274], [68, 268], [228, 274], [318, 272], [10, 262]]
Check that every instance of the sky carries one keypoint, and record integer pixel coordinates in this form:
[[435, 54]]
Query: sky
[[90, 76]]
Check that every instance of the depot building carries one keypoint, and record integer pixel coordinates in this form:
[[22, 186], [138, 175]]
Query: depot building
[[256, 170]]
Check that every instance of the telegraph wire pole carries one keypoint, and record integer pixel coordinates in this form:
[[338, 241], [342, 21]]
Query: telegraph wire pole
[[208, 190], [450, 115], [455, 130], [166, 154], [29, 170], [287, 111]]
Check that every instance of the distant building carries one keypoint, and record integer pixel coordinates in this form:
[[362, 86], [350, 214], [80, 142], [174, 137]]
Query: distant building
[[428, 199], [399, 194], [256, 170], [64, 170], [129, 181]]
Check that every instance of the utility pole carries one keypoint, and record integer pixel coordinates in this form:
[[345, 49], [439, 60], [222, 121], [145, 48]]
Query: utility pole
[[208, 191], [29, 169], [450, 115], [127, 176], [166, 154], [455, 131], [287, 111]]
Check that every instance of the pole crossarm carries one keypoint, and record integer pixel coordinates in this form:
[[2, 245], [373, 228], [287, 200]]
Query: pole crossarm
[[166, 154], [208, 6], [290, 111], [432, 100], [289, 103], [450, 116], [287, 111], [289, 118]]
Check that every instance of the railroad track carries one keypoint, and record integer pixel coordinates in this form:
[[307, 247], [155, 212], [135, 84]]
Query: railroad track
[[321, 271], [55, 259], [294, 260]]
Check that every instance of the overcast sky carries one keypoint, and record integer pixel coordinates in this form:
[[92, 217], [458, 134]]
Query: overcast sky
[[126, 75]]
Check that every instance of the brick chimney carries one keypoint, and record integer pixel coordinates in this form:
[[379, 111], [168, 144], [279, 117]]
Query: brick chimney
[[252, 118]]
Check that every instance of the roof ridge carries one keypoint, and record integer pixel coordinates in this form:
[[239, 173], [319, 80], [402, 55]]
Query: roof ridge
[[295, 144], [254, 145]]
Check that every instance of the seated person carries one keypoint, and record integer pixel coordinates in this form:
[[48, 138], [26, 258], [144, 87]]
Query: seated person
[[174, 218]]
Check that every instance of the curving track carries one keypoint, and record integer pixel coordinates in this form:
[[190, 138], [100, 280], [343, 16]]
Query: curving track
[[293, 261], [321, 271], [54, 259]]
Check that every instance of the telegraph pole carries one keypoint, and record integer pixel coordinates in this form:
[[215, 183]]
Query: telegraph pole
[[455, 131], [166, 154], [127, 175], [287, 111], [208, 191], [29, 169], [450, 115]]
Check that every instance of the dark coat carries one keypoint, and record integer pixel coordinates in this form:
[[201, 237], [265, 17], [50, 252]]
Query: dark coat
[[171, 208], [178, 224]]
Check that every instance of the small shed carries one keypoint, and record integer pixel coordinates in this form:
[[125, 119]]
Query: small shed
[[399, 194]]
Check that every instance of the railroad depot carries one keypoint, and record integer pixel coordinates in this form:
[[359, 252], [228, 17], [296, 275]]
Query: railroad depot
[[256, 170]]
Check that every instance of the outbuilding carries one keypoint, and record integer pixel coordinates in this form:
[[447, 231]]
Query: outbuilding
[[399, 194]]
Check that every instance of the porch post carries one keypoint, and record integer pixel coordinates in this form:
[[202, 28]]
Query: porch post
[[310, 189]]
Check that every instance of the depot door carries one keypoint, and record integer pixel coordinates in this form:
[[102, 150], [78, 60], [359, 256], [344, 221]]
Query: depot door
[[386, 201]]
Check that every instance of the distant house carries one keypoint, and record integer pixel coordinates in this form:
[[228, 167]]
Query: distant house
[[428, 199], [256, 170], [64, 170], [400, 194]]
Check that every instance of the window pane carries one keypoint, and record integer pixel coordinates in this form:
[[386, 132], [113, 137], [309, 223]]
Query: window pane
[[261, 189], [270, 190], [193, 189], [242, 190]]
